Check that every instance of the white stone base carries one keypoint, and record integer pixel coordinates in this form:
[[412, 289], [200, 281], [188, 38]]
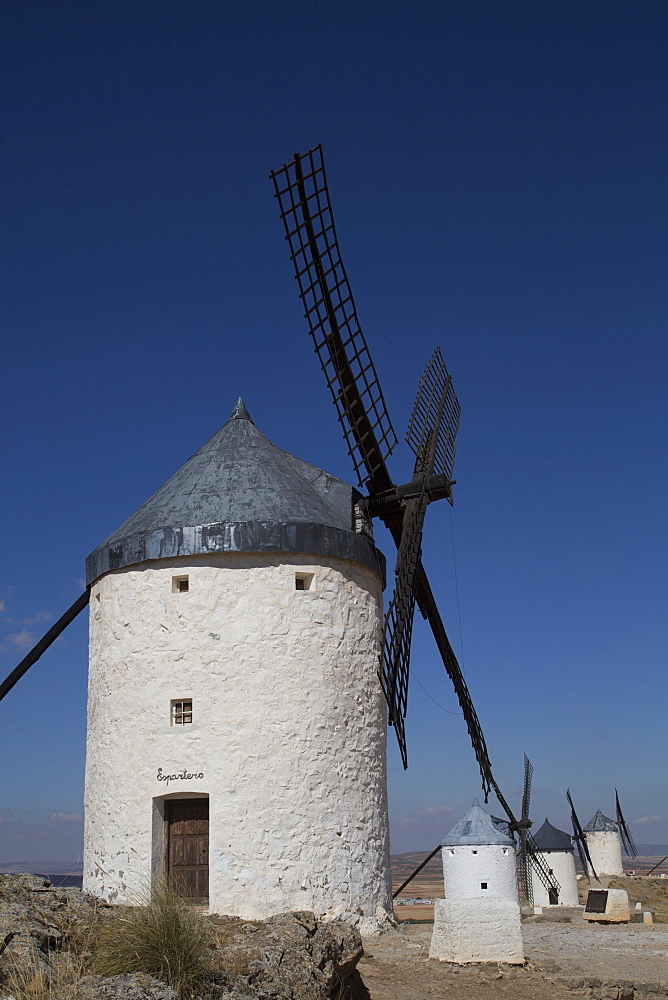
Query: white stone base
[[477, 930]]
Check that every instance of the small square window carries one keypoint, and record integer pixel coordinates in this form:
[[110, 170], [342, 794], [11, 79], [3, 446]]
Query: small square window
[[474, 852], [483, 885], [182, 712], [303, 581], [180, 584]]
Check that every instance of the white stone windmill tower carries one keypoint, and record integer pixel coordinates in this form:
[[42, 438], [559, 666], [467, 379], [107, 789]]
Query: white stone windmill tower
[[236, 732], [604, 843], [479, 920], [600, 842], [557, 851]]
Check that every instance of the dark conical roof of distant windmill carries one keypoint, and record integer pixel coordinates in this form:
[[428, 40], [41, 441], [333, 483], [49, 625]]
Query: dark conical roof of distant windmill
[[240, 493], [548, 838], [600, 823]]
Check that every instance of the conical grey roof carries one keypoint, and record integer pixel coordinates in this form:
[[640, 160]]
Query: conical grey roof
[[475, 827], [240, 493], [548, 838], [599, 823]]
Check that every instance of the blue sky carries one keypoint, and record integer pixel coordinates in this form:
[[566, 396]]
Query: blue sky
[[498, 174]]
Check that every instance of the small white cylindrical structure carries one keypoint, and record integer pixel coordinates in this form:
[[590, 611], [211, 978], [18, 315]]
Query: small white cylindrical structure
[[556, 849], [481, 871], [479, 920], [604, 845]]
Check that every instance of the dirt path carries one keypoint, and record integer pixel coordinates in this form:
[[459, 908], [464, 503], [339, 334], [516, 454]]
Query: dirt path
[[396, 966]]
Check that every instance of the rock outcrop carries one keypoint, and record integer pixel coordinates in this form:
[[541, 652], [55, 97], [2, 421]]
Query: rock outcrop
[[288, 955], [291, 956]]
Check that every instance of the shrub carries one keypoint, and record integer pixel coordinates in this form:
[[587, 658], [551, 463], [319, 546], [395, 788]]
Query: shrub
[[163, 936]]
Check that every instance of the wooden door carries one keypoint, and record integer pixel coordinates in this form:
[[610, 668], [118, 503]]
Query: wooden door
[[187, 828]]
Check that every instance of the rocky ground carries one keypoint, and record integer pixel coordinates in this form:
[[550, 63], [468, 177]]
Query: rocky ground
[[46, 933], [48, 944]]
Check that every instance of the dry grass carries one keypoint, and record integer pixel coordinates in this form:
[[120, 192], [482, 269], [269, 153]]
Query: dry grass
[[652, 892], [163, 936], [28, 974], [29, 977]]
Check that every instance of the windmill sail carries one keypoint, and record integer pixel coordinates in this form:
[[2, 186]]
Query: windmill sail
[[536, 861], [530, 858], [306, 211], [301, 189], [630, 848], [395, 666], [525, 876], [581, 842], [431, 433], [435, 415], [40, 647]]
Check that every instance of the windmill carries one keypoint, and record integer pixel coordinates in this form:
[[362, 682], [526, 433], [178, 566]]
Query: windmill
[[191, 517], [302, 192], [580, 841], [530, 859], [630, 848]]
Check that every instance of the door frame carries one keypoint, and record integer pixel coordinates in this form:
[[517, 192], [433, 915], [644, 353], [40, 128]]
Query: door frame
[[160, 832]]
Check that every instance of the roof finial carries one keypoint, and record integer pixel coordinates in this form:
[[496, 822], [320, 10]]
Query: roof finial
[[240, 412]]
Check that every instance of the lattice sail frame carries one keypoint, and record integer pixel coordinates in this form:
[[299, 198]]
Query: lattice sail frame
[[435, 386], [525, 876], [398, 628], [581, 841], [306, 256], [431, 435], [306, 211], [535, 860]]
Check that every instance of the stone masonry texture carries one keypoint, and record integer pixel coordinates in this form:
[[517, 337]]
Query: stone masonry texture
[[287, 738]]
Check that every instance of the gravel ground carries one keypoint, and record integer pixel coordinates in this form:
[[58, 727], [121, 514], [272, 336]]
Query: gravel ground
[[633, 951], [561, 956]]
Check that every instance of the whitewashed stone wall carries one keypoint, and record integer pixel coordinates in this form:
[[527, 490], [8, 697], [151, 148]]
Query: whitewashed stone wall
[[287, 739], [466, 868], [477, 930], [605, 850], [562, 864]]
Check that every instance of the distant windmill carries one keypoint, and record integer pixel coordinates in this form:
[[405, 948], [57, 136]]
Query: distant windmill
[[607, 838], [530, 858], [556, 849]]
